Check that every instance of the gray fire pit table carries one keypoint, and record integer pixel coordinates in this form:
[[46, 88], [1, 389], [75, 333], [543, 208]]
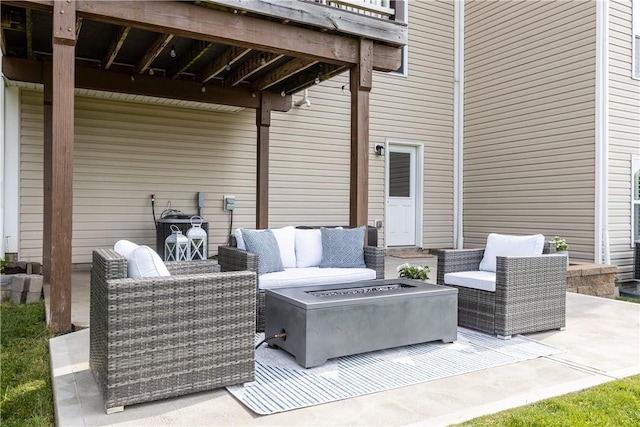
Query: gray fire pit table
[[326, 321]]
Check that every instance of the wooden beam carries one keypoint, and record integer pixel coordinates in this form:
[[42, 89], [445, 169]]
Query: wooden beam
[[185, 60], [224, 61], [112, 81], [263, 122], [114, 47], [29, 30], [327, 17], [152, 53], [250, 67], [60, 199], [283, 72], [360, 82]]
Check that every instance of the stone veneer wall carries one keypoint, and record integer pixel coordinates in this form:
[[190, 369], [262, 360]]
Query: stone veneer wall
[[592, 279]]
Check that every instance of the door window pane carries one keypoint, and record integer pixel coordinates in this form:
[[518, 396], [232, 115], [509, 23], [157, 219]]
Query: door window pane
[[399, 174]]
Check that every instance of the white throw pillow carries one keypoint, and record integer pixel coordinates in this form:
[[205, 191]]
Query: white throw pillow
[[505, 245], [308, 247], [286, 239], [125, 247], [142, 261], [145, 262]]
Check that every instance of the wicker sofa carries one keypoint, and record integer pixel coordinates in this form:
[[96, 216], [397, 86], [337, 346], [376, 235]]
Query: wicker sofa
[[161, 337], [529, 296], [231, 258]]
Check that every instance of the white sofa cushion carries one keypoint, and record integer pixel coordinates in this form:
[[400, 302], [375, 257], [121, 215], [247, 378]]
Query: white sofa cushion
[[483, 280], [308, 247], [142, 261], [286, 239], [506, 245], [286, 243], [314, 276]]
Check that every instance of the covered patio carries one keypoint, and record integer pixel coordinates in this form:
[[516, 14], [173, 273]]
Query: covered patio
[[601, 343], [251, 55]]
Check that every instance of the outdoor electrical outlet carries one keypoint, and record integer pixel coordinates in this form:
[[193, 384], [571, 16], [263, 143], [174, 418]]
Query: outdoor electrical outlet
[[378, 223], [229, 203]]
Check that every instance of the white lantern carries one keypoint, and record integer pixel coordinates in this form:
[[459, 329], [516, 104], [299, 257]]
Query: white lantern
[[176, 246], [197, 239]]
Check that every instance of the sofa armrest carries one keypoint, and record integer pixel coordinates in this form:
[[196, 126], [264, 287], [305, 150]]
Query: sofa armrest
[[192, 267], [374, 259], [453, 260], [234, 259], [108, 264], [530, 286]]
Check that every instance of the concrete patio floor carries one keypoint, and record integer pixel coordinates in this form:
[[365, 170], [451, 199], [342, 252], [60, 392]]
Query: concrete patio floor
[[601, 343]]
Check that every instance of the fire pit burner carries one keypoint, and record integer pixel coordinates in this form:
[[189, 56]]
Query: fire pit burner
[[332, 292]]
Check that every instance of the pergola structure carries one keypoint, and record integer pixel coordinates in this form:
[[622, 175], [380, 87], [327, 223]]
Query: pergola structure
[[251, 54]]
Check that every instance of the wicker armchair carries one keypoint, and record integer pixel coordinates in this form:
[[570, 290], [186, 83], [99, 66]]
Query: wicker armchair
[[530, 292], [231, 258], [163, 337]]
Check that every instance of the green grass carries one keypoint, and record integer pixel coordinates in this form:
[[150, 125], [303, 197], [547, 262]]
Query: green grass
[[615, 404], [629, 299], [25, 380]]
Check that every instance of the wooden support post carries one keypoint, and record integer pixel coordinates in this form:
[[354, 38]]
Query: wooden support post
[[263, 121], [59, 165], [360, 81], [48, 173]]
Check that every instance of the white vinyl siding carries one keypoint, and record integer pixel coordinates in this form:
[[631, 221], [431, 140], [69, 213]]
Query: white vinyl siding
[[310, 146], [123, 153], [529, 161], [624, 136]]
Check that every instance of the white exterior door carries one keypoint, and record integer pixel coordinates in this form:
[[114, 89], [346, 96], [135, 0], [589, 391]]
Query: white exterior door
[[401, 195]]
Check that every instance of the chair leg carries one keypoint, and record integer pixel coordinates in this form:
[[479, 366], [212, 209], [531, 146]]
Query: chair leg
[[114, 409], [504, 337]]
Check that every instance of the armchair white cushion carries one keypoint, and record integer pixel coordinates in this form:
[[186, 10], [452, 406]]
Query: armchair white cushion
[[482, 280], [142, 261], [506, 245]]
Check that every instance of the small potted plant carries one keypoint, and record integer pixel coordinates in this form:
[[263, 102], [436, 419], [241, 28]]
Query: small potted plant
[[418, 272], [561, 247]]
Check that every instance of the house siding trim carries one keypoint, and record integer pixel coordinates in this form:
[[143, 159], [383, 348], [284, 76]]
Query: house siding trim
[[11, 176], [601, 235], [458, 126]]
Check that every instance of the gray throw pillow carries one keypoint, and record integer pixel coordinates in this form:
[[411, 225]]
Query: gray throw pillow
[[342, 248], [264, 244]]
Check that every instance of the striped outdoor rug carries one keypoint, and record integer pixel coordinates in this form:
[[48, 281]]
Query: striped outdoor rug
[[282, 385]]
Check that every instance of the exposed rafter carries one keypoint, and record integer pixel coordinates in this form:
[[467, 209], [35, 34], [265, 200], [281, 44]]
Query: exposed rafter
[[152, 53], [114, 47], [279, 74], [78, 27], [312, 76], [224, 61], [29, 30], [250, 67], [185, 60]]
